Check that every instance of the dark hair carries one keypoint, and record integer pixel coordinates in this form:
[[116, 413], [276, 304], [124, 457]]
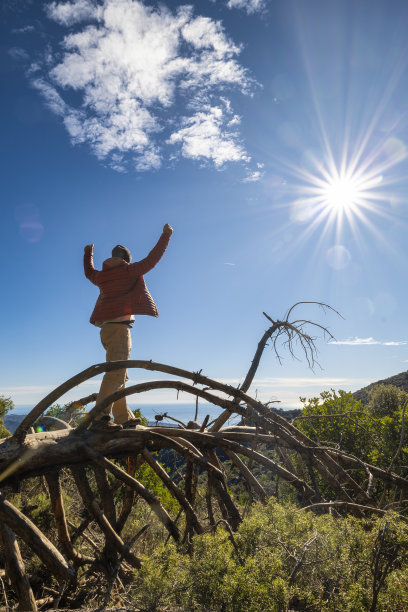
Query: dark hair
[[121, 251]]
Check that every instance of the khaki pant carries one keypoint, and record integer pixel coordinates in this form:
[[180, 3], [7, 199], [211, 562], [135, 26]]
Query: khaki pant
[[117, 342]]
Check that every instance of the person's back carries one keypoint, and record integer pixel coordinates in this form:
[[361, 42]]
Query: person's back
[[123, 294]]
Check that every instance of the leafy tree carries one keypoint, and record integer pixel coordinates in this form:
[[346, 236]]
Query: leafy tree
[[338, 419], [371, 432], [6, 404], [385, 400], [72, 413]]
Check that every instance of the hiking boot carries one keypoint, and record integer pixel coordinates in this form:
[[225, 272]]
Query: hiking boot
[[131, 423], [105, 424]]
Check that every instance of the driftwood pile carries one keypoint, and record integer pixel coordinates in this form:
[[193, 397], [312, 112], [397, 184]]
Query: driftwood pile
[[27, 455]]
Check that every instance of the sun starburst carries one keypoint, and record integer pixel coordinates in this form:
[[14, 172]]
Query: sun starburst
[[330, 195]]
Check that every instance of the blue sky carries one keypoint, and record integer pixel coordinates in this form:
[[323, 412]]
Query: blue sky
[[271, 135]]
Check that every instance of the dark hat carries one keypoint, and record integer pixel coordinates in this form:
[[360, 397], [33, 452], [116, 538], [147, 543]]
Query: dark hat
[[120, 251]]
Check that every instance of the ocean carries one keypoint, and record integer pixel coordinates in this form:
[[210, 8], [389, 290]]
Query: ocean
[[182, 412]]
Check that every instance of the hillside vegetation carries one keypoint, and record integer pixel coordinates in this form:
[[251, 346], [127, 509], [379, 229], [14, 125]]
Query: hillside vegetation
[[282, 556]]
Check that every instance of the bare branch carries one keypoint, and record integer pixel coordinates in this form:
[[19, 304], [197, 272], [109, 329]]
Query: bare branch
[[401, 441]]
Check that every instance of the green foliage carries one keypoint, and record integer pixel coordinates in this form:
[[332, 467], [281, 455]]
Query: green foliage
[[386, 400], [337, 418], [371, 432], [71, 413], [151, 481], [138, 414], [287, 559], [160, 580], [57, 411], [6, 404], [38, 509]]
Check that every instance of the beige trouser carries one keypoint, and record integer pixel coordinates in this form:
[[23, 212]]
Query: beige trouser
[[117, 342]]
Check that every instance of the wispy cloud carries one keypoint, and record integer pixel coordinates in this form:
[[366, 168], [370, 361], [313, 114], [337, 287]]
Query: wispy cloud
[[23, 30], [250, 6], [367, 342], [18, 54], [139, 84], [253, 177], [302, 381]]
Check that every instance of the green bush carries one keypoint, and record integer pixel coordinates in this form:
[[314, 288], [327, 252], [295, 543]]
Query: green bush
[[286, 558], [372, 432], [6, 404]]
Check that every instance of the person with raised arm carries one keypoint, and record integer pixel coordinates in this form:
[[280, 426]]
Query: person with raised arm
[[122, 295]]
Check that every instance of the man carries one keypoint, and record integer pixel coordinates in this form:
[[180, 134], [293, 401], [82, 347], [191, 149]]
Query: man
[[123, 294]]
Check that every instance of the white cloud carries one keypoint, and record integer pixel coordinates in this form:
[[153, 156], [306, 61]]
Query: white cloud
[[52, 97], [132, 80], [367, 342], [68, 13], [250, 6], [206, 136], [253, 177], [23, 30]]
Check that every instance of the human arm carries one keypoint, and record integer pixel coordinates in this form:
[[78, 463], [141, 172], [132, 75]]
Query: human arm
[[89, 269], [145, 265]]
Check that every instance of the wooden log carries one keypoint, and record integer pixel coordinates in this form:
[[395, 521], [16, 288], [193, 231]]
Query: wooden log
[[174, 490], [129, 495], [248, 475], [35, 540], [208, 499], [195, 457], [255, 411], [105, 493], [153, 501], [15, 570], [231, 513], [350, 506], [198, 378], [188, 481], [217, 440], [57, 504], [49, 450], [93, 508]]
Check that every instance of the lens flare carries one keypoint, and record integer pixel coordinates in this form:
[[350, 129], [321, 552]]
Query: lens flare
[[338, 257]]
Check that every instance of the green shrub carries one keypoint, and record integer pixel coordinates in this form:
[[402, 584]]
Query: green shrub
[[287, 559], [6, 404]]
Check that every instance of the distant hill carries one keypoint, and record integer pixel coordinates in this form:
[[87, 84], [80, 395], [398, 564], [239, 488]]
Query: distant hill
[[12, 421], [399, 380]]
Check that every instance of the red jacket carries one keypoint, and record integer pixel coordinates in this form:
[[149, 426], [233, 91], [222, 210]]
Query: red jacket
[[121, 285]]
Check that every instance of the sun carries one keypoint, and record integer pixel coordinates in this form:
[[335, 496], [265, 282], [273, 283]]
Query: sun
[[335, 196], [341, 193]]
